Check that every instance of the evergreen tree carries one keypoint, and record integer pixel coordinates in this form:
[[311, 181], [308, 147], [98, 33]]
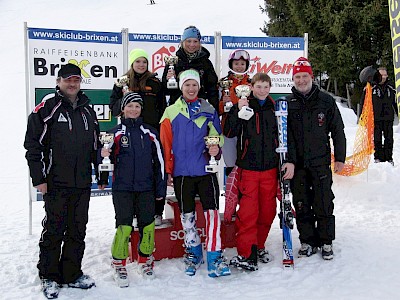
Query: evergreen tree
[[344, 35]]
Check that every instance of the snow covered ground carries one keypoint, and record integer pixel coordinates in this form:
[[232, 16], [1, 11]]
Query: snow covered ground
[[366, 263]]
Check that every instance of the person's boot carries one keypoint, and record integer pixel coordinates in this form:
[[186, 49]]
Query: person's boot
[[216, 264]]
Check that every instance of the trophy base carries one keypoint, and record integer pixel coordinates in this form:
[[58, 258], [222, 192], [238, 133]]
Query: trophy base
[[172, 85], [246, 113], [106, 167], [211, 168]]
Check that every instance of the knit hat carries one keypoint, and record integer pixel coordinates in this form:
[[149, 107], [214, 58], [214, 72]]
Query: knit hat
[[302, 65], [188, 74], [191, 32], [69, 70], [131, 97], [135, 54]]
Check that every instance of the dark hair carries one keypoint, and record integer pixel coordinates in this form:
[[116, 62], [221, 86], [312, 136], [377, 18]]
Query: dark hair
[[138, 84], [261, 77]]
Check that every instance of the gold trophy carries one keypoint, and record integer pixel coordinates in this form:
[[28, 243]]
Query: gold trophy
[[123, 82], [225, 85], [243, 91], [212, 166], [171, 61], [106, 139]]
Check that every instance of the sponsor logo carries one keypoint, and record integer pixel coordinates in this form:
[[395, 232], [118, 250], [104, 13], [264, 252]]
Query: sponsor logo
[[158, 57], [180, 234], [41, 67]]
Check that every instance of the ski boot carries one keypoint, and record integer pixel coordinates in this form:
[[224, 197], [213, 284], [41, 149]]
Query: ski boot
[[264, 256], [84, 282], [193, 259], [50, 288], [327, 252], [216, 264], [307, 250], [145, 266], [120, 273], [246, 263]]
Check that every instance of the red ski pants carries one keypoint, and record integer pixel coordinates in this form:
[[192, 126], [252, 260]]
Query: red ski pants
[[257, 209]]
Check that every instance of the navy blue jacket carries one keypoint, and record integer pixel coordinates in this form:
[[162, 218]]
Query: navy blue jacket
[[138, 158]]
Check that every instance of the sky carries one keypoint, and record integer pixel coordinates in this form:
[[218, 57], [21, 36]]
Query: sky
[[366, 264]]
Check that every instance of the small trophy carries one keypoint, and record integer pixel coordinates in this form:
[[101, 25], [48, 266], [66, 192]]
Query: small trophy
[[106, 139], [225, 85], [212, 166], [123, 82], [243, 91], [171, 61]]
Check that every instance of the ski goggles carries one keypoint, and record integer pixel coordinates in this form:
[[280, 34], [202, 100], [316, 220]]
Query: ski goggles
[[238, 54]]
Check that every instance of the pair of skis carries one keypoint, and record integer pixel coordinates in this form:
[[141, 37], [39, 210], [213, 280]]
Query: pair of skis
[[286, 214]]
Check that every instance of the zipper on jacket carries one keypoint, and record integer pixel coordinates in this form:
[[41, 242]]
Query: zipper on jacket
[[85, 121], [69, 122]]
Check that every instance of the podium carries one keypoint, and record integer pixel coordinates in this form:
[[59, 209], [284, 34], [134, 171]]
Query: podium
[[169, 238]]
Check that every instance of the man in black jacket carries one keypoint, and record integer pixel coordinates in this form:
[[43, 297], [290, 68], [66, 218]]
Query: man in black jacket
[[313, 120], [61, 142], [384, 107]]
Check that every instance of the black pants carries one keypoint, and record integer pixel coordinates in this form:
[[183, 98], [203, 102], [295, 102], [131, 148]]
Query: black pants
[[160, 207], [129, 204], [313, 201], [383, 150], [62, 242], [186, 188]]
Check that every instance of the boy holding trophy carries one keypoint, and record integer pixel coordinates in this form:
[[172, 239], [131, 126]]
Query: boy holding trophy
[[257, 162], [139, 179], [140, 80], [184, 126]]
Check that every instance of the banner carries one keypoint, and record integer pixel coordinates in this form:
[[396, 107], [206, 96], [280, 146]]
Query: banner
[[394, 14], [98, 55], [271, 55]]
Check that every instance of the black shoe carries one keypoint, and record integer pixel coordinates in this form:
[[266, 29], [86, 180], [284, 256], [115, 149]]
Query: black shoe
[[307, 250], [391, 162], [50, 288], [264, 256]]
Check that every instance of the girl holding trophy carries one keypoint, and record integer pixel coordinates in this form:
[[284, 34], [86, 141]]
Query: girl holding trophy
[[138, 180], [184, 127], [140, 80], [192, 55], [239, 63]]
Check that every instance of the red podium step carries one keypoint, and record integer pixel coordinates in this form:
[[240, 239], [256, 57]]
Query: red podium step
[[169, 237]]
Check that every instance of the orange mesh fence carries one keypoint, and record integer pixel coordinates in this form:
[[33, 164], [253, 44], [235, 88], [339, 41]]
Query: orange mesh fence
[[364, 140]]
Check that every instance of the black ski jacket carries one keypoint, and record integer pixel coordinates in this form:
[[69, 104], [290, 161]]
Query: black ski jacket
[[257, 137], [312, 121], [61, 143], [208, 77], [383, 102]]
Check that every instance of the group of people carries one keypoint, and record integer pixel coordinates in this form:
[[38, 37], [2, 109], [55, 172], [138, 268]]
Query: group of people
[[156, 145]]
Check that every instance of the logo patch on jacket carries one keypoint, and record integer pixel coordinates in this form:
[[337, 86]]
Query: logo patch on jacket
[[321, 119], [124, 141], [61, 118]]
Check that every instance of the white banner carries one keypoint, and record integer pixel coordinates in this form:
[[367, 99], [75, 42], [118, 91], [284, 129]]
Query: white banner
[[272, 55]]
